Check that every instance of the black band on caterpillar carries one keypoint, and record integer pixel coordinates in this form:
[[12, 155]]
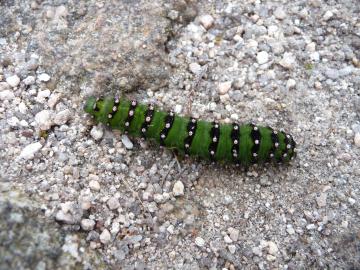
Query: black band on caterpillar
[[240, 144]]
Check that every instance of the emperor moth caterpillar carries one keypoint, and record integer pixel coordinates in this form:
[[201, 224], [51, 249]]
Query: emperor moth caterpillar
[[240, 144]]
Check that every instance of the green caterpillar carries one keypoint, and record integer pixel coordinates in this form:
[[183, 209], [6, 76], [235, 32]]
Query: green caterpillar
[[240, 144]]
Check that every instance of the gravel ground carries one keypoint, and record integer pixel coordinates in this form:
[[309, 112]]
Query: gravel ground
[[75, 195]]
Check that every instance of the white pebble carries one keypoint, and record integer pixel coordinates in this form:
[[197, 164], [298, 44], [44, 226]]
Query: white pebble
[[13, 121], [62, 117], [288, 61], [22, 108], [290, 230], [352, 201], [178, 189], [126, 141], [234, 234], [227, 239], [195, 68], [328, 15], [42, 95], [53, 100], [105, 236], [29, 80], [290, 83], [199, 242], [279, 13], [44, 77], [262, 57], [232, 249], [311, 47], [224, 87], [6, 95], [321, 200], [113, 203], [4, 86], [94, 185], [44, 119], [178, 108], [96, 132], [273, 249], [29, 151], [87, 224], [13, 81], [206, 21], [357, 139]]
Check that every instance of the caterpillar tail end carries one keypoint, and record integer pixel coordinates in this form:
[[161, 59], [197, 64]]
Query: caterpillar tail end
[[89, 105]]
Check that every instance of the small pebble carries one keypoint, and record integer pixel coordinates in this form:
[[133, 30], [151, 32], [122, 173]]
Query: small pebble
[[232, 249], [321, 200], [87, 224], [288, 61], [96, 132], [178, 189], [29, 151], [289, 229], [6, 95], [290, 84], [105, 236], [357, 139], [224, 87], [113, 203], [206, 21], [328, 15], [199, 242], [29, 80], [279, 13], [234, 234], [13, 81], [127, 143], [44, 119], [44, 77], [13, 121], [62, 117], [94, 185], [195, 68], [262, 57], [273, 249]]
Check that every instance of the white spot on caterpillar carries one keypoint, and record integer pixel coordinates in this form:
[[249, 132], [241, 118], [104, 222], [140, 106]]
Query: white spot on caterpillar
[[171, 113], [131, 113], [236, 127], [163, 136], [190, 133], [288, 136], [148, 119], [94, 106], [187, 145], [235, 155], [151, 107], [143, 130], [276, 144], [271, 155], [285, 155], [214, 139], [288, 146], [255, 154], [193, 120], [216, 126], [256, 142], [167, 125], [133, 103], [256, 128], [236, 142], [212, 152], [127, 124], [109, 115], [275, 132], [114, 109]]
